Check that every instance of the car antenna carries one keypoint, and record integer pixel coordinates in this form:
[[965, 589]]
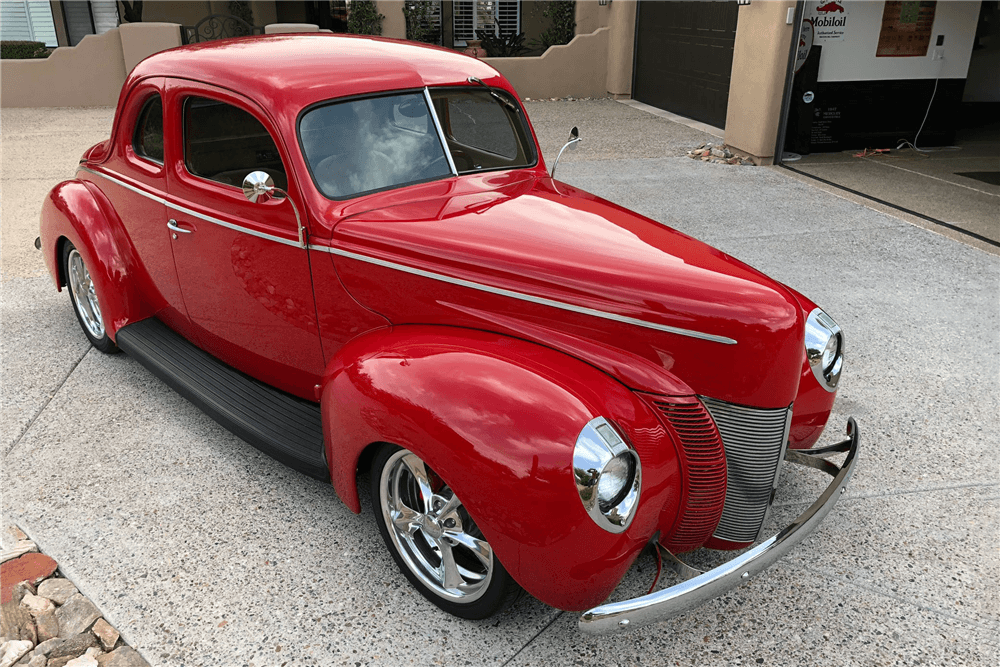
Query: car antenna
[[507, 103]]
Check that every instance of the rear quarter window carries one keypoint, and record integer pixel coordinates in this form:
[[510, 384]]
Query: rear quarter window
[[148, 138]]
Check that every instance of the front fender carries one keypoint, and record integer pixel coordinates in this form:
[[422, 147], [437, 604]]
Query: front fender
[[73, 211], [497, 418]]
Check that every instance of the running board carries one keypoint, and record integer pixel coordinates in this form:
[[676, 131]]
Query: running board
[[282, 426]]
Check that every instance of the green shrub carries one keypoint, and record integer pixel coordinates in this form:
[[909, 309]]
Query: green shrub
[[363, 18], [418, 22], [563, 27], [23, 50], [507, 45]]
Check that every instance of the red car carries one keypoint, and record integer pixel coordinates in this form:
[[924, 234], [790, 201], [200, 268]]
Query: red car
[[349, 252]]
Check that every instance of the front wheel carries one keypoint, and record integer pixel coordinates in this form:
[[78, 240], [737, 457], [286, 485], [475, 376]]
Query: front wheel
[[83, 294], [434, 540]]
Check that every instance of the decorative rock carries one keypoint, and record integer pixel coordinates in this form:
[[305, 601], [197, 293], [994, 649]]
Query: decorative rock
[[76, 616], [21, 547], [31, 567], [47, 626], [89, 659], [124, 656], [16, 622], [45, 647], [59, 662], [37, 605], [14, 650], [57, 589], [107, 634], [21, 589], [38, 661], [74, 646]]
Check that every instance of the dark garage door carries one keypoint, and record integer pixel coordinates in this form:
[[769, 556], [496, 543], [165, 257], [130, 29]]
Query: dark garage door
[[684, 56]]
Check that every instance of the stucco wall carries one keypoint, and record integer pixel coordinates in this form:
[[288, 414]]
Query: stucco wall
[[577, 69], [394, 24], [89, 74], [757, 83], [140, 40], [621, 47]]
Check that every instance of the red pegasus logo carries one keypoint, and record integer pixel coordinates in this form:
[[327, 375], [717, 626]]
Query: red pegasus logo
[[831, 7], [802, 42]]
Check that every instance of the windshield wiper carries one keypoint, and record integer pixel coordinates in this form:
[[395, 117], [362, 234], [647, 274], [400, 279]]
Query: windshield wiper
[[500, 98]]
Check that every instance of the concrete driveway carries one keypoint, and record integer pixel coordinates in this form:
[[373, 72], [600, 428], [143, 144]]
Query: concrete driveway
[[202, 551]]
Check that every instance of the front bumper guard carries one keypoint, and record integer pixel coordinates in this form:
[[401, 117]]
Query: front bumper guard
[[700, 587]]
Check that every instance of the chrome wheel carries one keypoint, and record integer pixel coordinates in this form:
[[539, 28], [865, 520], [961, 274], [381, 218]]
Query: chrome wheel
[[432, 532], [84, 296]]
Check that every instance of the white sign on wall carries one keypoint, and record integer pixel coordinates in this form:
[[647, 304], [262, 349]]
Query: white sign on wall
[[829, 20]]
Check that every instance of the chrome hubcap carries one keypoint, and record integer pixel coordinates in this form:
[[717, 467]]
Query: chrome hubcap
[[432, 531], [84, 295]]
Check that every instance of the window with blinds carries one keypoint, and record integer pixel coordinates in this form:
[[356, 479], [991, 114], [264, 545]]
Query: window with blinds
[[495, 16], [27, 21]]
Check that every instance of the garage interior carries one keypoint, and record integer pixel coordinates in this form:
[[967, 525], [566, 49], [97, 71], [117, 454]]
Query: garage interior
[[919, 128]]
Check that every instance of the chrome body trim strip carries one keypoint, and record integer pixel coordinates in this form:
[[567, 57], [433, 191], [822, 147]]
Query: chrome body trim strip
[[689, 594], [440, 131], [426, 274], [193, 214], [583, 310]]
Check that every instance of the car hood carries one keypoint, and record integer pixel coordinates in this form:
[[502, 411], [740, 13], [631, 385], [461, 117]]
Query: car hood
[[506, 254]]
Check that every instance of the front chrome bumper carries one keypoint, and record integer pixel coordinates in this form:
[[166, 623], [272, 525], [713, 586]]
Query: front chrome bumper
[[701, 587]]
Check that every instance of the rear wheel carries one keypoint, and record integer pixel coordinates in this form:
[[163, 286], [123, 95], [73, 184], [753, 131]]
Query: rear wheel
[[83, 294], [434, 540]]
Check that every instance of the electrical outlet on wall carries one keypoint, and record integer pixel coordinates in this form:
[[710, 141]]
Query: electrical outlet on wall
[[938, 54]]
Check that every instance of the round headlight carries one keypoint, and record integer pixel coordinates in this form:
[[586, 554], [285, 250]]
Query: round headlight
[[615, 481], [824, 348], [608, 475]]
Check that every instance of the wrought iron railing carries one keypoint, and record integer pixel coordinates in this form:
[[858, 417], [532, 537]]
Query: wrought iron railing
[[218, 26]]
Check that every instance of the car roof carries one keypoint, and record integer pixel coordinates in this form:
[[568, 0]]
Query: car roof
[[300, 69]]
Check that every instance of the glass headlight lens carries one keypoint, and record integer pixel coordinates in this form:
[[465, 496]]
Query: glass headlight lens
[[830, 352], [824, 348], [608, 475], [615, 481]]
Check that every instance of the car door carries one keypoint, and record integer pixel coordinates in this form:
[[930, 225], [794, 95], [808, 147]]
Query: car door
[[133, 178], [243, 275]]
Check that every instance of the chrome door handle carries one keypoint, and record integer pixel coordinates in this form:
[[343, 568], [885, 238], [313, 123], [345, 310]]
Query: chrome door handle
[[172, 226]]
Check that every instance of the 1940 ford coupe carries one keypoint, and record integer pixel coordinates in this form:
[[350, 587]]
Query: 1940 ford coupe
[[355, 259]]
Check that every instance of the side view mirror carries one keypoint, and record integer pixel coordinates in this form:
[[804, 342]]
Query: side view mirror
[[574, 139], [259, 184]]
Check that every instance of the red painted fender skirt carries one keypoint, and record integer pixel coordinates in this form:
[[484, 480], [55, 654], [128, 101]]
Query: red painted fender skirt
[[497, 418], [79, 212]]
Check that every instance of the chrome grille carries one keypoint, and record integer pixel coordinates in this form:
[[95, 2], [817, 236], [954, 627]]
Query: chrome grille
[[754, 440]]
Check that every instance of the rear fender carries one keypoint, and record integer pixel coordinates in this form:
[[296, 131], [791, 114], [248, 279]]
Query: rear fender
[[497, 418], [77, 212]]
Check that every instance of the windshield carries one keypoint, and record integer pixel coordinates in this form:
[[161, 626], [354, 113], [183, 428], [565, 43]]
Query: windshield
[[376, 143], [372, 144], [485, 129]]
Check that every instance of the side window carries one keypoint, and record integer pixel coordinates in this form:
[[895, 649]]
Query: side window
[[224, 143], [148, 139]]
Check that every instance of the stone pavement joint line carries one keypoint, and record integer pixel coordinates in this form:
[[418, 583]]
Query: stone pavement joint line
[[27, 427], [991, 626]]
